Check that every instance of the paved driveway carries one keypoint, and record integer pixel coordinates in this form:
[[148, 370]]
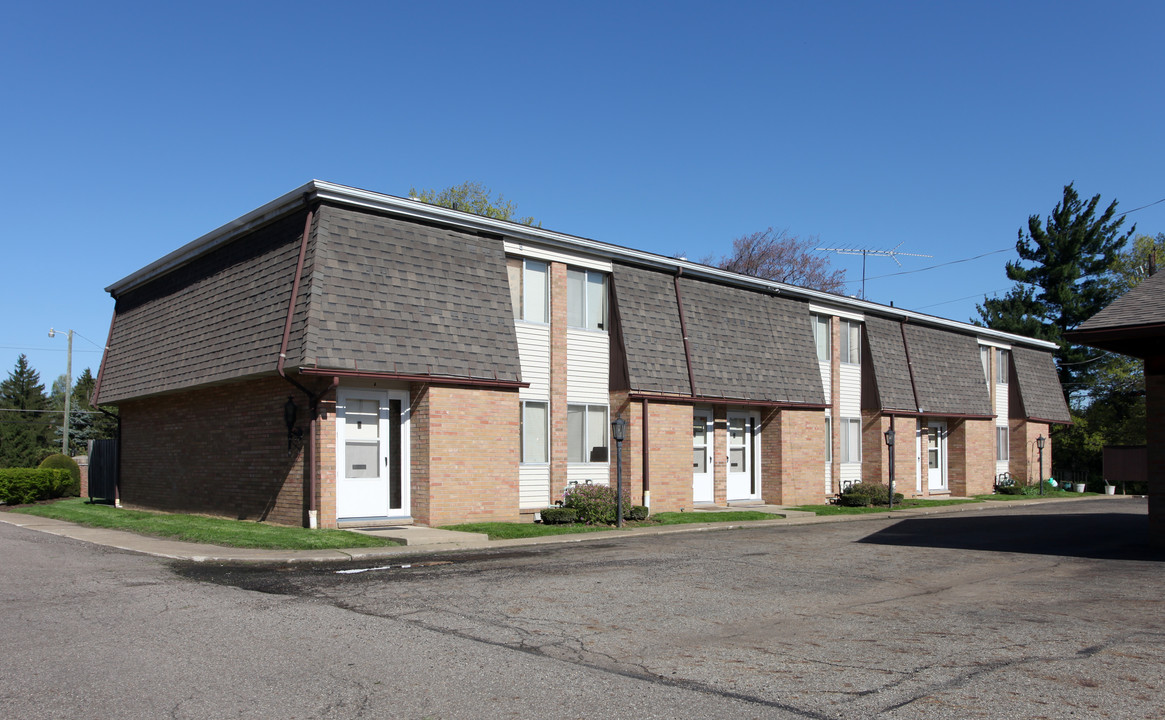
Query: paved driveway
[[1041, 612]]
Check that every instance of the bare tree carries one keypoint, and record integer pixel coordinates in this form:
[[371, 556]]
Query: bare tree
[[777, 255]]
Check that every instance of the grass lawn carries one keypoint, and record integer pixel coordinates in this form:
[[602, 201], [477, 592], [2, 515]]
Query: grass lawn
[[194, 528], [507, 531], [902, 505]]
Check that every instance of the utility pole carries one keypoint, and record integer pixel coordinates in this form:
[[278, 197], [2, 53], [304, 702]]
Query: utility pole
[[68, 393]]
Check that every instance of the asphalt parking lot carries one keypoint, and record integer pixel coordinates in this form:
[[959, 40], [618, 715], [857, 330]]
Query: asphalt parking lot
[[1050, 611]]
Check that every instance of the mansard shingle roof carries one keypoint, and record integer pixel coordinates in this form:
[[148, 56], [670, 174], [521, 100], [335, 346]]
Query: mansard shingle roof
[[1039, 385]]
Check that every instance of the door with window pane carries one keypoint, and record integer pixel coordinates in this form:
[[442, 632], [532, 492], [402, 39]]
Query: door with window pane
[[743, 481], [702, 488], [372, 478]]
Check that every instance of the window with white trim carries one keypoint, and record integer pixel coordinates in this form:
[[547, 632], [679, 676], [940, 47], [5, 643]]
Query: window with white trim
[[851, 440], [1001, 358], [851, 342], [586, 433], [985, 358], [828, 439], [535, 432], [529, 289], [821, 336], [586, 299], [1001, 443]]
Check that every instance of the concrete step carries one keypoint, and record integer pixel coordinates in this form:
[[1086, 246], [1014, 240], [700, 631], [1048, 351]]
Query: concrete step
[[421, 535]]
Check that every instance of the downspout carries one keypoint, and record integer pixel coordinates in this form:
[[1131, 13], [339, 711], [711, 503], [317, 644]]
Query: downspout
[[313, 399], [684, 331], [646, 458]]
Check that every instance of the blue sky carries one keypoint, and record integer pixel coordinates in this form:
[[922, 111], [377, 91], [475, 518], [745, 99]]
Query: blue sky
[[132, 128]]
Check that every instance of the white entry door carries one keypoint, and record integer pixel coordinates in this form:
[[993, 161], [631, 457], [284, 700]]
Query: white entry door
[[743, 481], [936, 455], [702, 463], [372, 467]]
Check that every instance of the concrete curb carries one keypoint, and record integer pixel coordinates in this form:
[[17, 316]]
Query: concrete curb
[[441, 541]]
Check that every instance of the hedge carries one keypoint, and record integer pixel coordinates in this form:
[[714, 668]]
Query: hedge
[[25, 485]]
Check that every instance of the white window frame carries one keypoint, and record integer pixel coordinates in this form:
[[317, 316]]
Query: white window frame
[[528, 270], [828, 439], [821, 336], [851, 440], [526, 439], [985, 358], [588, 409], [851, 342], [589, 286], [1002, 443], [1001, 366]]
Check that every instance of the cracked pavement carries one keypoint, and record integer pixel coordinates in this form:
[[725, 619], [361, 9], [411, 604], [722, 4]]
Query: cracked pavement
[[1038, 612]]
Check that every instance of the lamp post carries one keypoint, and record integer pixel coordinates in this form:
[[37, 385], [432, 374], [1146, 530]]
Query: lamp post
[[1040, 444], [890, 445], [619, 431], [68, 382]]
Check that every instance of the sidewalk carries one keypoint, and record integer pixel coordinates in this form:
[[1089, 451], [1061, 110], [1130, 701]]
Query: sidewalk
[[420, 540]]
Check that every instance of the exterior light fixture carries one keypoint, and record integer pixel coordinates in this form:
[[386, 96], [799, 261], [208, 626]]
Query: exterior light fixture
[[890, 445], [289, 414], [1040, 441], [619, 433]]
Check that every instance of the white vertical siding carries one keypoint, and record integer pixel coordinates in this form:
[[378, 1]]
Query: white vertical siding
[[597, 473], [850, 473], [826, 379], [533, 487], [534, 355], [587, 360], [850, 391]]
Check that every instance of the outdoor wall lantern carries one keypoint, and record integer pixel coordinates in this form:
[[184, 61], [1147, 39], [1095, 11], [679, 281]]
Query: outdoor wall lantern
[[294, 434], [1040, 444], [619, 432], [890, 444]]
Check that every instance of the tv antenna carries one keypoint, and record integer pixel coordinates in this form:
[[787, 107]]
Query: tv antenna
[[865, 252]]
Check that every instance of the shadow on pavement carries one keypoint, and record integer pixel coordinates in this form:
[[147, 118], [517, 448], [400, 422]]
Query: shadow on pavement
[[1109, 536]]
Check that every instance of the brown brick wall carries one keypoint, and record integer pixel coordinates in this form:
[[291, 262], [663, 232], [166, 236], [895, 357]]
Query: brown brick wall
[[971, 457], [326, 460], [671, 456], [218, 450], [719, 454], [473, 455], [876, 454], [792, 456], [419, 472]]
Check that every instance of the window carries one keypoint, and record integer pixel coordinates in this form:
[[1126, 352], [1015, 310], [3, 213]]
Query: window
[[828, 439], [1001, 357], [586, 433], [586, 299], [821, 336], [529, 289], [535, 432], [851, 440], [985, 358], [1001, 443], [851, 342]]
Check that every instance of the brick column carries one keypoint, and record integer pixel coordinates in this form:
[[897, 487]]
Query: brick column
[[558, 437], [719, 455], [835, 401]]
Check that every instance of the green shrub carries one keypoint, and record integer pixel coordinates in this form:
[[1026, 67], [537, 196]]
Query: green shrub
[[25, 485], [867, 494], [1012, 490], [595, 503], [64, 462], [559, 515], [638, 512]]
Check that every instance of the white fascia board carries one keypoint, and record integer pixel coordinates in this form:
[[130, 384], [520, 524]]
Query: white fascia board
[[354, 197]]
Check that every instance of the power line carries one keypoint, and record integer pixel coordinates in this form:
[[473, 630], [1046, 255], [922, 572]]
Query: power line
[[932, 267], [1126, 212]]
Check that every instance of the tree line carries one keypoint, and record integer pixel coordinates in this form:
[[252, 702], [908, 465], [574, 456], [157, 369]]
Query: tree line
[[31, 419]]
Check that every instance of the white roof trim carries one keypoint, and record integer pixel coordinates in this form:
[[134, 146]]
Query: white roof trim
[[341, 194]]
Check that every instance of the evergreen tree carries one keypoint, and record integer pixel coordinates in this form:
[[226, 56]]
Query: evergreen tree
[[88, 422], [24, 426], [1065, 275]]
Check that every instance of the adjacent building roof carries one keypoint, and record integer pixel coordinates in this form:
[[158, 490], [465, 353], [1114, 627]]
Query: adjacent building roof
[[1134, 324]]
